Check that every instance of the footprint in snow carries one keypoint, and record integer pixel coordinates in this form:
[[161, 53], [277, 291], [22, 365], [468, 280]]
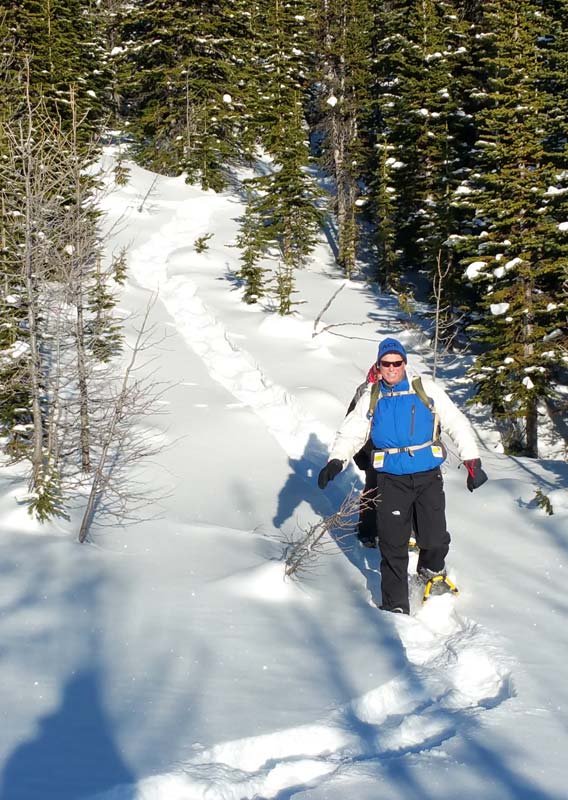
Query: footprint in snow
[[454, 672]]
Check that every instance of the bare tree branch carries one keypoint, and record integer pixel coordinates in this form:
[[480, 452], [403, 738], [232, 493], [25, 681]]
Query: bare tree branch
[[326, 306], [301, 553], [122, 443]]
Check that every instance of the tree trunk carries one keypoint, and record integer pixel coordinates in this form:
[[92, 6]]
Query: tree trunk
[[85, 438], [531, 419], [28, 167], [80, 255], [532, 428], [35, 370]]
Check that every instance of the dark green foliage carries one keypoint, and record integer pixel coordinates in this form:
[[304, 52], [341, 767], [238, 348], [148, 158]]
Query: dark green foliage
[[200, 243], [253, 244], [183, 72], [342, 97], [59, 44], [284, 289], [121, 173], [282, 216], [58, 310], [521, 202], [543, 501], [47, 501], [103, 332], [444, 122], [421, 125], [118, 268]]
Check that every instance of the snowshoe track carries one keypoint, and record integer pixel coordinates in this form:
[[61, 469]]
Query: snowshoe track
[[454, 673], [227, 363], [454, 669]]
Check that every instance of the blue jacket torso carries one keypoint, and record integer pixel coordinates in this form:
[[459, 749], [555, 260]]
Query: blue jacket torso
[[400, 421]]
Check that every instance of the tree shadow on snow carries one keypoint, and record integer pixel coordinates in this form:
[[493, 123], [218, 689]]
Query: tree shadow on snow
[[302, 487], [73, 753], [392, 767]]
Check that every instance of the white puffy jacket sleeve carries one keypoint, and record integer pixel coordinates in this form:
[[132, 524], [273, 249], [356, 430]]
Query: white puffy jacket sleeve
[[453, 421], [354, 430]]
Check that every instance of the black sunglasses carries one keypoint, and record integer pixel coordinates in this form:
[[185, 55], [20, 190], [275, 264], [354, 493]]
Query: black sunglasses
[[386, 364]]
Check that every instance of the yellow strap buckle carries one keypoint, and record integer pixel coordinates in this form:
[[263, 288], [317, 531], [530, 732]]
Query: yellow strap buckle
[[439, 579]]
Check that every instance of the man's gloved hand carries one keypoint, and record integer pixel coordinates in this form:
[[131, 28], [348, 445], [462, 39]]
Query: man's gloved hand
[[329, 472], [476, 477]]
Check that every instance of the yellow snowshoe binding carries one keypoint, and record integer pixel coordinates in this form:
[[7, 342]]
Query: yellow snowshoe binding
[[436, 583]]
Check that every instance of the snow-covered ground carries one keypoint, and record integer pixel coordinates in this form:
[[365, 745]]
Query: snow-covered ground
[[170, 660]]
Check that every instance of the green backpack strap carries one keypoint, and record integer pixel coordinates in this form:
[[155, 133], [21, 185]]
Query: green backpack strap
[[374, 399], [417, 388], [421, 392]]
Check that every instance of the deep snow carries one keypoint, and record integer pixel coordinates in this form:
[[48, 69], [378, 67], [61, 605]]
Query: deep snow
[[169, 660]]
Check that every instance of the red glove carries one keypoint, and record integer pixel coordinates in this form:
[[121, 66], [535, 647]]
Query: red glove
[[476, 477]]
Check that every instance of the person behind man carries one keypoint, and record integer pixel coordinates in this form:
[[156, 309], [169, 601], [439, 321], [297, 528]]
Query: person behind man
[[367, 522], [402, 415]]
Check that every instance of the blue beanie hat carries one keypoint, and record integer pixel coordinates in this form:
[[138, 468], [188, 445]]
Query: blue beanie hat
[[391, 346]]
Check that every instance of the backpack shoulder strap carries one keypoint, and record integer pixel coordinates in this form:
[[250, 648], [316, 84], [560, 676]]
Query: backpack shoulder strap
[[429, 403], [418, 389], [374, 399], [421, 392]]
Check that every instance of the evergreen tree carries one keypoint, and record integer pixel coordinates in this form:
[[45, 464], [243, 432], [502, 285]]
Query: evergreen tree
[[113, 14], [554, 77], [285, 31], [419, 52], [388, 59], [282, 214], [183, 75], [521, 247], [344, 50], [61, 44], [253, 244], [51, 289]]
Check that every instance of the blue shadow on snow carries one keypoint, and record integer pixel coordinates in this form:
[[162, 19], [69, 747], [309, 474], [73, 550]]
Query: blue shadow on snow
[[73, 754]]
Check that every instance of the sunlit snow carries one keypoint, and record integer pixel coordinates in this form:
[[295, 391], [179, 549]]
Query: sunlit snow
[[172, 660]]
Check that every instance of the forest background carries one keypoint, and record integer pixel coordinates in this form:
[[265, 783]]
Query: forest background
[[427, 138]]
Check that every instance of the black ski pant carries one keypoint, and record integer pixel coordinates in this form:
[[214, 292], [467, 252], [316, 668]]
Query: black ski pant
[[404, 500]]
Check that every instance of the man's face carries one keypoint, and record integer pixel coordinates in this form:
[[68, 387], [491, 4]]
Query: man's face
[[391, 367]]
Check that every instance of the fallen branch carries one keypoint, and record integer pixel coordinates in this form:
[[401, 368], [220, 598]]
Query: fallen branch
[[324, 309], [301, 554]]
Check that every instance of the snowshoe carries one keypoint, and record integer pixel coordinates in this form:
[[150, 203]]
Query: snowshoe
[[436, 583]]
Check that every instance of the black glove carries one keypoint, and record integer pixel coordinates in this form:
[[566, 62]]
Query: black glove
[[363, 457], [329, 472], [476, 477]]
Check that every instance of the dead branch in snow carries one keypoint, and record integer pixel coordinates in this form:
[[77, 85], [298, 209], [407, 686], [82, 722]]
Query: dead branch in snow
[[302, 553], [148, 194], [326, 306]]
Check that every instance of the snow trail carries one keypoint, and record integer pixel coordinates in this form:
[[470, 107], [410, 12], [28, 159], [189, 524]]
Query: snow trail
[[454, 669], [227, 362]]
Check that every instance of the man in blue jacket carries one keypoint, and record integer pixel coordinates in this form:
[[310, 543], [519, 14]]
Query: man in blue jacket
[[403, 415]]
